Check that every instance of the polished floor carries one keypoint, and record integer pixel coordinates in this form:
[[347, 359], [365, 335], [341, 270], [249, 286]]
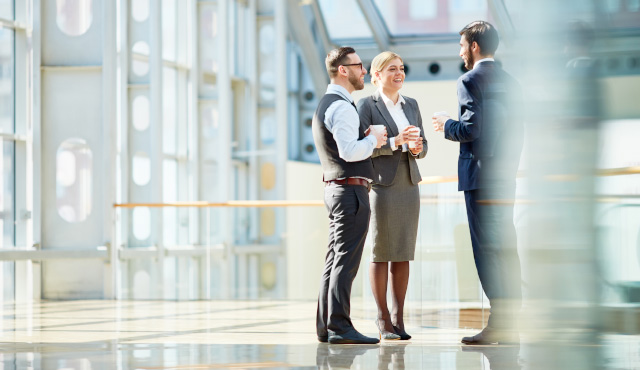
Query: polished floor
[[266, 335]]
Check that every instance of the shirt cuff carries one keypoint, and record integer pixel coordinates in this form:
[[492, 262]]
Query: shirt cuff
[[372, 139], [392, 143]]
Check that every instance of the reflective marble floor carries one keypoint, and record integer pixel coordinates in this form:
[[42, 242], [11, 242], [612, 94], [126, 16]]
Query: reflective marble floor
[[264, 335]]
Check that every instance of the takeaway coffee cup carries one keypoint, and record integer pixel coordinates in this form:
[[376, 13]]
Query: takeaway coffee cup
[[378, 128], [415, 131]]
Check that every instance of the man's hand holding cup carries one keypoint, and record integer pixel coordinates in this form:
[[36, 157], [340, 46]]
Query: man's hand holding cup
[[379, 132], [438, 120]]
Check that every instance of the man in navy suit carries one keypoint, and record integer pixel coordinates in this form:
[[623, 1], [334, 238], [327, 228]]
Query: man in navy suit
[[491, 138]]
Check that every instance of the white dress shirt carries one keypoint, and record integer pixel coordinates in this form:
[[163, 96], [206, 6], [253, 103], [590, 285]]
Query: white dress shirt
[[342, 120], [482, 60], [397, 113]]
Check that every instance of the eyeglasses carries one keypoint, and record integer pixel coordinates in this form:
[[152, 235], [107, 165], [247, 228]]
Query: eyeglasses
[[353, 64]]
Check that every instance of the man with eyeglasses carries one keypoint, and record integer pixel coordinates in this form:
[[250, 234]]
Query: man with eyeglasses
[[345, 154]]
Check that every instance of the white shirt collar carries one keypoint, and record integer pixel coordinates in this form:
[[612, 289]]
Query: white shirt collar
[[388, 101], [337, 89], [482, 60]]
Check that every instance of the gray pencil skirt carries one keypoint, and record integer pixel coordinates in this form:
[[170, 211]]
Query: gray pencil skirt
[[395, 212]]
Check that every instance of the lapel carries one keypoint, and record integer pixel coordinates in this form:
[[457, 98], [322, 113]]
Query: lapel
[[410, 113], [391, 125]]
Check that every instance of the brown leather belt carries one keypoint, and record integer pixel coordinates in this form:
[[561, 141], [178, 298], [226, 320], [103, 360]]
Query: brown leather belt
[[350, 181]]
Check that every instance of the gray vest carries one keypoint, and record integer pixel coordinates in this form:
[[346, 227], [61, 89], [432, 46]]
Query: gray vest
[[334, 167]]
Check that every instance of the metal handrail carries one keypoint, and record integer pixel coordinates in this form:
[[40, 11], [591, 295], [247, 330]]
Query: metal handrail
[[428, 180]]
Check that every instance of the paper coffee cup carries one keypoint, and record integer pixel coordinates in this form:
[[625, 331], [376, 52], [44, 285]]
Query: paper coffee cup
[[414, 143], [377, 128], [441, 113]]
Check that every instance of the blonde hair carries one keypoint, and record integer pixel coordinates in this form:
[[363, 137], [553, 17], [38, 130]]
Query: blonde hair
[[380, 61]]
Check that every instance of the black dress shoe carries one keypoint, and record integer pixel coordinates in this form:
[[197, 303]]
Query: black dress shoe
[[323, 339], [490, 335], [403, 334], [351, 337]]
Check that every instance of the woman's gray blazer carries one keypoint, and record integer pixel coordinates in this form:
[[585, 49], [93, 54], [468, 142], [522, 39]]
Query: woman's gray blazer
[[373, 111]]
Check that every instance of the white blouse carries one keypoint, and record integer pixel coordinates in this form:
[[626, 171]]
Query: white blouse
[[397, 113]]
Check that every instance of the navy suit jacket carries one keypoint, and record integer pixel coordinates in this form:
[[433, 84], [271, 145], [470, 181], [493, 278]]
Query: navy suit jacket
[[490, 130]]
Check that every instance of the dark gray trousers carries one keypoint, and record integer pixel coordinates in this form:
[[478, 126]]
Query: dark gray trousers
[[349, 214]]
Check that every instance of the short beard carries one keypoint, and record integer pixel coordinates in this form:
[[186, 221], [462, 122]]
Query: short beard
[[355, 82], [469, 62]]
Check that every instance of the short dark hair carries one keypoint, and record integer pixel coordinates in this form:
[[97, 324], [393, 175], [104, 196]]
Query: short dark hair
[[337, 57], [484, 34]]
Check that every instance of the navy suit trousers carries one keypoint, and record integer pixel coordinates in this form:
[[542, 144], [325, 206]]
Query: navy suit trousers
[[494, 241]]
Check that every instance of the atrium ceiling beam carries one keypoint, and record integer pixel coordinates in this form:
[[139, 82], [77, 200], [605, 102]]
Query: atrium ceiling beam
[[301, 33], [321, 27], [376, 23], [503, 19]]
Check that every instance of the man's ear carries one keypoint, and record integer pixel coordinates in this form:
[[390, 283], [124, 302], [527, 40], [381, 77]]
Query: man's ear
[[475, 47]]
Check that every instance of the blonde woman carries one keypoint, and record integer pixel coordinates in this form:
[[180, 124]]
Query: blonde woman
[[395, 198]]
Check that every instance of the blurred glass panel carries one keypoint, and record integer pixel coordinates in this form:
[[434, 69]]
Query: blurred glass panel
[[74, 17], [169, 110], [6, 81], [141, 220], [140, 112], [169, 29], [141, 168], [344, 19], [140, 10], [74, 171], [140, 58], [7, 196], [419, 17], [169, 195], [6, 9]]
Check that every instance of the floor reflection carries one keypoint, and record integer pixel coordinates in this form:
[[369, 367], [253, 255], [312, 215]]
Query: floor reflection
[[96, 335]]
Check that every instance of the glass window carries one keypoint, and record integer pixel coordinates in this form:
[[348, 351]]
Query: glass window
[[6, 81], [7, 178], [140, 10], [74, 16], [420, 17], [6, 9], [170, 194], [141, 169], [208, 41], [344, 19], [169, 110], [140, 114], [140, 58], [169, 29], [74, 171], [141, 223]]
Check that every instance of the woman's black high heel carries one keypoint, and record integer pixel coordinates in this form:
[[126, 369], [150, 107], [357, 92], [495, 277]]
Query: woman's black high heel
[[386, 334], [403, 334]]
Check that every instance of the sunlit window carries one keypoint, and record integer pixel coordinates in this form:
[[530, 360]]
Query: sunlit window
[[140, 112], [6, 80], [141, 169], [140, 58], [7, 175], [74, 170], [74, 16], [140, 10], [344, 19], [141, 223]]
